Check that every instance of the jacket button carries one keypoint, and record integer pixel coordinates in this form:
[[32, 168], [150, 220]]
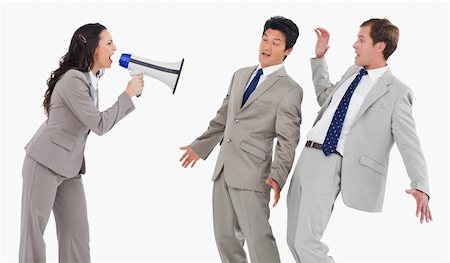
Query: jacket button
[[236, 120], [229, 140]]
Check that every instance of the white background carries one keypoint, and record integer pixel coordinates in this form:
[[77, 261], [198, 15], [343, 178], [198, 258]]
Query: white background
[[142, 206]]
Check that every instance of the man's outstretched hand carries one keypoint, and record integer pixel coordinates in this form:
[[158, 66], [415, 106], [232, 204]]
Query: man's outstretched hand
[[422, 205], [189, 156]]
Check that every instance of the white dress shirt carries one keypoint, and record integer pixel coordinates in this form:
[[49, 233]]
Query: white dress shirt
[[94, 87], [319, 131]]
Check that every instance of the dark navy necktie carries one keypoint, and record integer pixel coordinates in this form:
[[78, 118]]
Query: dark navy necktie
[[252, 86], [334, 131]]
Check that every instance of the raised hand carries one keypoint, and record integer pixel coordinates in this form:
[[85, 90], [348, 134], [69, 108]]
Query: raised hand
[[323, 37]]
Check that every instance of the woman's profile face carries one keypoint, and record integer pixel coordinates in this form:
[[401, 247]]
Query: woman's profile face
[[103, 52]]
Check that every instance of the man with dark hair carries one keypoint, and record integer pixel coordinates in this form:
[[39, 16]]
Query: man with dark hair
[[262, 103], [347, 150]]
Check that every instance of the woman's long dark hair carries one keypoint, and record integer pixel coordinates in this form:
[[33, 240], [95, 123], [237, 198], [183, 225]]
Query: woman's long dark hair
[[80, 56]]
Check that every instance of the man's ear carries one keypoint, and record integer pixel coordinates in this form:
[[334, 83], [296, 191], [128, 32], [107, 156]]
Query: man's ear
[[288, 51], [381, 46]]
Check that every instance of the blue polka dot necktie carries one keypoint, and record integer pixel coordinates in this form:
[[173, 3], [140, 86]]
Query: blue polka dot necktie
[[334, 131], [252, 86]]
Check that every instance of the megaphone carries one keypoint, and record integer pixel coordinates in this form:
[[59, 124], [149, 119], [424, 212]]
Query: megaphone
[[168, 73]]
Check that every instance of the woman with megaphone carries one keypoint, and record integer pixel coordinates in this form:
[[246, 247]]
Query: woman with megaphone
[[54, 160]]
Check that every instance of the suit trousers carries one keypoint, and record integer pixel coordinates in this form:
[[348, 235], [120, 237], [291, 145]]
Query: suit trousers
[[241, 215], [314, 187], [44, 190]]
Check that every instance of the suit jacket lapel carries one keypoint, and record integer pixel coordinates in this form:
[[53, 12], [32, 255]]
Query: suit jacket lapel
[[380, 88], [91, 89], [98, 98], [263, 87], [242, 86]]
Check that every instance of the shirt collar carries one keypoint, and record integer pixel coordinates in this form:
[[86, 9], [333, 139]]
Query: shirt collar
[[270, 69], [377, 73]]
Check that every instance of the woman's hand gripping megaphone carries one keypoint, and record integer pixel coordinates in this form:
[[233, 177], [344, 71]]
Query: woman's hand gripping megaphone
[[135, 85]]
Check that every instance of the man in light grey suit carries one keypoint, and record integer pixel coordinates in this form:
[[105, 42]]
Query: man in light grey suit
[[347, 149], [262, 103]]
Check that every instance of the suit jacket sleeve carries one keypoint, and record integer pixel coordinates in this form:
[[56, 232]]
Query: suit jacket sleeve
[[204, 144], [287, 128], [321, 79], [74, 92], [405, 136]]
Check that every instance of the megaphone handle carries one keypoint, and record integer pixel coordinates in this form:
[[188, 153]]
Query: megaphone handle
[[134, 73]]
